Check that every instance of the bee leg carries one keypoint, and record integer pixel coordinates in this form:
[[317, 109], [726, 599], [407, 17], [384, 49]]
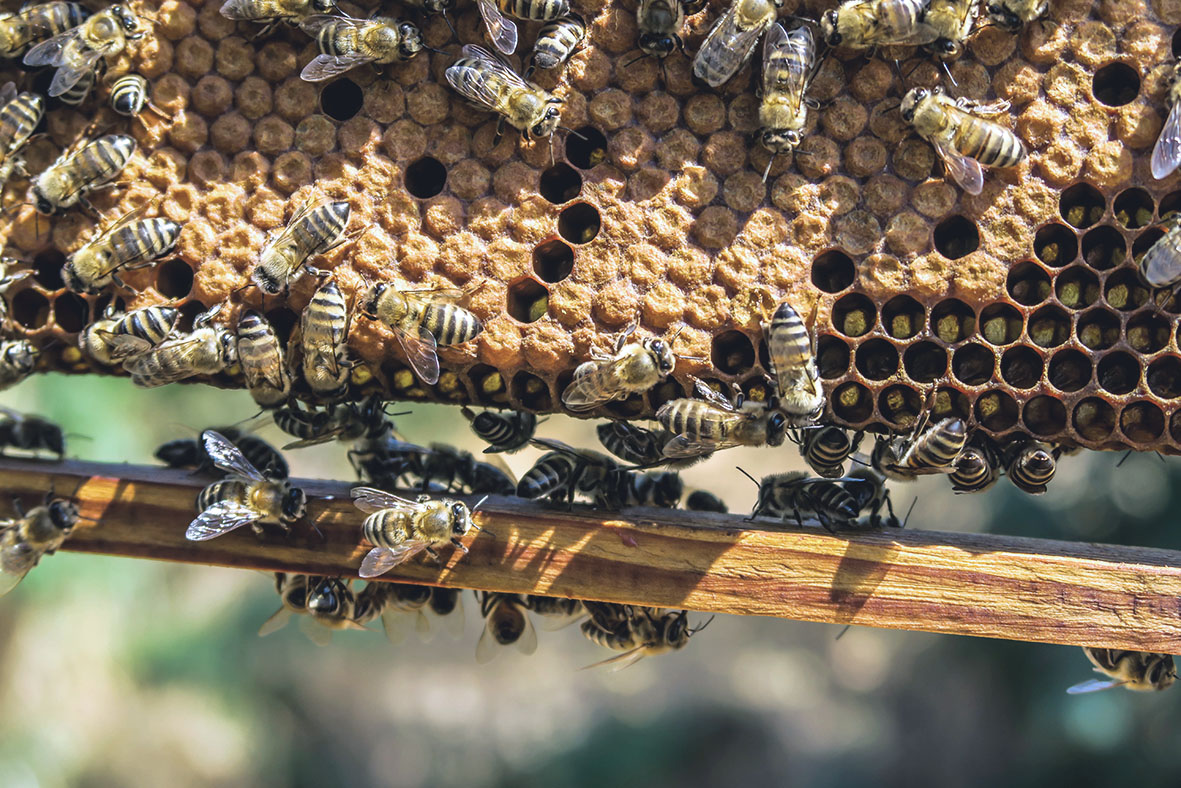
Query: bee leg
[[434, 555], [499, 132]]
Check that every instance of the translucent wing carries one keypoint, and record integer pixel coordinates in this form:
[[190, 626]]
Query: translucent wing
[[220, 518], [897, 23], [73, 70], [9, 581], [452, 623], [474, 85], [228, 457], [316, 440], [325, 67], [8, 92], [399, 623], [49, 53], [275, 622], [316, 632], [501, 30], [371, 499], [1167, 153], [964, 170], [487, 648], [682, 446], [588, 391], [1093, 685], [802, 49], [421, 354], [122, 347], [621, 661], [729, 35], [711, 396], [380, 560], [146, 364]]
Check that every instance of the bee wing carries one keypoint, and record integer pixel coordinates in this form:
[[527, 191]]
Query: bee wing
[[145, 363], [49, 53], [452, 623], [275, 622], [122, 347], [398, 623], [792, 84], [588, 391], [620, 661], [228, 457], [323, 437], [9, 581], [239, 9], [729, 34], [501, 30], [964, 170], [315, 631], [896, 23], [73, 70], [380, 560], [371, 499], [325, 67], [220, 518], [1166, 155], [8, 92], [478, 88], [682, 446], [421, 354], [1094, 685], [711, 396]]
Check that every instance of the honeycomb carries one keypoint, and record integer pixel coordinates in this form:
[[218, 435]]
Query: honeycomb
[[1020, 308]]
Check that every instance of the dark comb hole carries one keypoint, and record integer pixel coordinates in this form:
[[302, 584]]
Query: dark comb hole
[[1021, 367], [47, 269], [665, 391], [1055, 244], [1081, 205], [1177, 44], [488, 384], [1133, 208], [854, 315], [1169, 205], [531, 391], [956, 237], [626, 409], [925, 361], [70, 312], [1070, 370], [952, 320], [1049, 326], [1116, 84], [1104, 248], [1147, 332], [832, 356], [579, 223], [833, 271], [1000, 324], [426, 177], [1164, 377], [586, 147], [1118, 373], [900, 405], [951, 404], [732, 352], [527, 300], [30, 308], [560, 183], [283, 320], [553, 260], [877, 359], [996, 411], [1124, 290], [341, 99], [1142, 422], [174, 279], [1045, 416], [188, 313], [1098, 329], [903, 317], [1094, 419], [1077, 287], [973, 365], [1028, 283], [852, 402]]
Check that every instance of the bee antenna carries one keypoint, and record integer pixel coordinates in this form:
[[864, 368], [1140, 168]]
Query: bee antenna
[[697, 629], [1127, 454], [447, 19], [437, 51], [635, 60], [947, 71], [844, 629], [747, 475], [479, 503], [767, 171], [573, 133]]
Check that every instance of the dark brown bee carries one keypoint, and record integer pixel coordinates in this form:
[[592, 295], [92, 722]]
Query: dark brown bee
[[503, 431], [263, 361], [638, 632], [795, 495], [506, 623], [827, 447], [1030, 465], [190, 453], [30, 433]]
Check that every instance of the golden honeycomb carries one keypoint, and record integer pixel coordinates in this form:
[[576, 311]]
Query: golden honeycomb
[[1020, 308]]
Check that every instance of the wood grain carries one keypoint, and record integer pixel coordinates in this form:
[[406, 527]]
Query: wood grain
[[984, 585]]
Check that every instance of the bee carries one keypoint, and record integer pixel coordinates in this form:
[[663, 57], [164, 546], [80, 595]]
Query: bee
[[485, 79], [826, 448], [125, 246], [324, 326], [117, 336], [190, 453], [638, 632], [442, 466], [344, 421], [925, 451], [271, 12], [78, 51], [422, 320], [506, 623], [331, 606], [17, 359], [556, 42], [40, 531], [1010, 15], [504, 430], [953, 21], [19, 116], [1134, 670], [206, 350], [312, 230], [659, 23], [68, 180], [867, 24], [869, 492], [9, 277], [633, 443], [961, 136], [795, 494], [399, 529], [30, 433], [447, 604], [562, 609], [793, 366], [35, 23], [245, 497], [977, 468], [564, 471], [263, 362], [384, 460], [293, 592], [129, 96], [702, 426], [1161, 264], [78, 93], [1166, 154], [732, 40], [789, 62], [1030, 466], [634, 368], [402, 607], [703, 501], [346, 43]]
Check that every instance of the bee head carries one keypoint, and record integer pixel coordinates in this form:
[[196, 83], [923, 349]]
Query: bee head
[[41, 201], [911, 101], [665, 360], [674, 629], [1003, 18], [323, 6], [946, 49], [779, 141], [549, 120], [369, 302], [1163, 673], [63, 514], [776, 428], [325, 597], [411, 39], [657, 44], [125, 17], [295, 504], [828, 29], [460, 519]]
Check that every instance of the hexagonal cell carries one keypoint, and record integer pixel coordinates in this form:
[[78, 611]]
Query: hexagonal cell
[[174, 279], [956, 237], [283, 320], [1049, 326], [553, 260], [1000, 324], [951, 404], [732, 352], [1147, 332], [1069, 370], [1094, 419], [952, 320], [1098, 329], [832, 356], [560, 183], [665, 391], [1169, 205], [757, 388], [1133, 208], [1055, 244], [626, 409], [47, 269], [925, 362], [1104, 248], [187, 313], [1142, 422], [1118, 373], [70, 312], [900, 405], [579, 223], [586, 147], [851, 402], [1116, 84], [488, 384], [1164, 377], [1081, 205], [1176, 44], [1028, 283], [341, 99], [425, 177], [1175, 426], [833, 271], [1021, 367], [1044, 416], [30, 308], [996, 411], [973, 364], [1077, 287], [531, 391], [527, 300], [877, 359], [1125, 291], [903, 317], [854, 315]]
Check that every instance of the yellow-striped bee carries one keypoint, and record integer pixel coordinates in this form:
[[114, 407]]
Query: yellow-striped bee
[[324, 326], [789, 61], [125, 246], [659, 23], [129, 96], [506, 623], [422, 320], [80, 90], [1010, 15], [293, 591], [263, 361], [636, 631], [40, 531], [793, 366], [732, 40], [1134, 670], [312, 230], [18, 118], [953, 21], [977, 468], [865, 24], [400, 529], [1161, 264], [77, 52], [77, 172], [35, 23], [702, 426], [1166, 154], [245, 497], [826, 448], [17, 359], [556, 42], [1030, 465], [206, 350], [346, 43], [117, 336], [925, 451], [963, 139], [485, 79], [272, 11], [633, 369], [504, 431]]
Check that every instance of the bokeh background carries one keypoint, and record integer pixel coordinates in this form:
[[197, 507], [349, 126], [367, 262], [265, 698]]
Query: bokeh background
[[122, 672]]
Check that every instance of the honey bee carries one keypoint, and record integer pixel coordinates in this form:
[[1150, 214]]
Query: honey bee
[[30, 433], [504, 431], [40, 531], [732, 40], [293, 592], [506, 623], [78, 93], [19, 116], [35, 23], [206, 350], [129, 96], [868, 488], [1166, 154], [556, 42], [77, 52], [793, 366], [789, 61], [485, 79], [795, 494], [564, 471], [1010, 15], [702, 426], [399, 529], [245, 497], [977, 468], [502, 31], [961, 136], [866, 24], [704, 501], [331, 606], [402, 607], [638, 632], [953, 21], [271, 12], [77, 172], [1134, 670], [346, 43], [1161, 264], [117, 336], [826, 448], [422, 320], [633, 369], [17, 359], [444, 466], [126, 245], [344, 421], [190, 453], [925, 451], [1030, 466], [324, 326], [312, 230], [561, 610], [264, 364], [659, 23]]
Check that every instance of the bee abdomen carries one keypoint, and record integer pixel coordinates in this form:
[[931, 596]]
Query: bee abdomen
[[609, 640], [129, 94], [323, 226], [385, 528], [549, 475], [18, 119], [974, 472], [337, 38], [535, 10], [990, 144], [152, 323], [450, 324], [1032, 468], [557, 41], [938, 447], [788, 335], [79, 90], [225, 490], [688, 416]]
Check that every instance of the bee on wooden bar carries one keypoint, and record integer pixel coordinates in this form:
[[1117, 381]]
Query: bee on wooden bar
[[977, 468], [504, 430], [486, 80], [403, 609], [400, 529], [78, 172], [17, 359], [1030, 465], [454, 470], [1166, 154], [270, 12], [793, 366], [634, 368], [789, 63], [732, 40], [32, 534], [506, 623], [556, 42], [867, 24], [206, 350], [868, 489], [30, 433], [953, 21], [638, 632], [795, 494], [347, 43], [324, 326], [1139, 671], [19, 116], [126, 245], [190, 453], [925, 451], [561, 611], [331, 606], [77, 52], [264, 364], [827, 447], [702, 426], [1161, 264], [117, 336], [35, 23], [313, 230], [704, 501], [1010, 15], [564, 471]]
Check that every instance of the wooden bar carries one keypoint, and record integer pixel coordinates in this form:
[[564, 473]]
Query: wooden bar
[[964, 584]]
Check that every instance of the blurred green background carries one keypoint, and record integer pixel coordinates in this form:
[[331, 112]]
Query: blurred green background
[[122, 672]]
